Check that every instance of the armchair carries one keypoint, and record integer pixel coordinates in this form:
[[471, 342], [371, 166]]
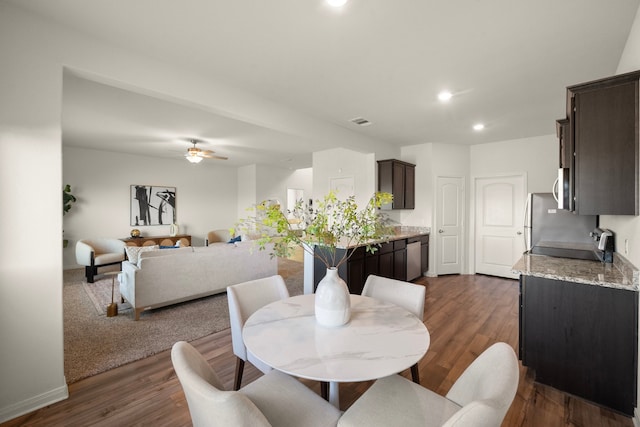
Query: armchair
[[216, 236], [94, 253]]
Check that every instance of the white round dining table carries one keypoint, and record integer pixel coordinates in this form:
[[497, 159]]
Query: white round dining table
[[380, 339]]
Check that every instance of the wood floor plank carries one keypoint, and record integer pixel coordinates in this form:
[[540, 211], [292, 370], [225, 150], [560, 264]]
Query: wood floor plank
[[464, 315]]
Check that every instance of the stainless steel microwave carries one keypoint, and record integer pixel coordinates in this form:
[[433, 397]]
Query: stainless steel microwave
[[563, 189]]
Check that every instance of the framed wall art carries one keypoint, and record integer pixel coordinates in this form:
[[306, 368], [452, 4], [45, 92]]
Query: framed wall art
[[151, 205]]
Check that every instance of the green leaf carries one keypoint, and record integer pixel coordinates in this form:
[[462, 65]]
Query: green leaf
[[332, 224]]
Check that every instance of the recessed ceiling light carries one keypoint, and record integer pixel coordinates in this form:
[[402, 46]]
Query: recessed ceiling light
[[478, 127], [336, 3], [445, 95]]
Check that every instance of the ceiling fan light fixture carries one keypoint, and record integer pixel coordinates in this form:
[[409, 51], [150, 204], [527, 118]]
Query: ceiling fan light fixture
[[445, 96], [336, 3], [193, 158]]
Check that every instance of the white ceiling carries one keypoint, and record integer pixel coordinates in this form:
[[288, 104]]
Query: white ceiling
[[507, 62]]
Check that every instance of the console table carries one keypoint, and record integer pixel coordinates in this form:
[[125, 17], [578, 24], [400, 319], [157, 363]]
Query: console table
[[185, 240]]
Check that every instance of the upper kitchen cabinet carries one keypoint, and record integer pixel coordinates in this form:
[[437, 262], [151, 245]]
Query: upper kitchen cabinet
[[566, 150], [398, 178], [603, 132]]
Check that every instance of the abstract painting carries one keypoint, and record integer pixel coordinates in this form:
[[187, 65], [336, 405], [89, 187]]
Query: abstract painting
[[153, 205]]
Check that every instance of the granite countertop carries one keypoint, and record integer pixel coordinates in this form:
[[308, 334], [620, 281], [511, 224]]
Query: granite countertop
[[404, 232], [400, 232], [620, 274]]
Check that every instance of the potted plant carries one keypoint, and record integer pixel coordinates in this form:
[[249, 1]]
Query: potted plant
[[67, 200], [330, 225]]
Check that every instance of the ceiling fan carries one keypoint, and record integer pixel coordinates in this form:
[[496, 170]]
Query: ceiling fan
[[195, 155]]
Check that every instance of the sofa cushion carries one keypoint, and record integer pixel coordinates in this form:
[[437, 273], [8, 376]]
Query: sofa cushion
[[164, 252], [133, 252]]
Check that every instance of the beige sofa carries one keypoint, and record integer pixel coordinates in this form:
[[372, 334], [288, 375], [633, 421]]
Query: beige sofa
[[169, 276]]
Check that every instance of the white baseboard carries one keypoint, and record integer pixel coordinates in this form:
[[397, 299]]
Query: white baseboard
[[36, 402], [636, 418]]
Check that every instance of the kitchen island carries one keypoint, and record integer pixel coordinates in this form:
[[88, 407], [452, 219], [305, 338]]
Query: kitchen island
[[398, 256], [579, 326]]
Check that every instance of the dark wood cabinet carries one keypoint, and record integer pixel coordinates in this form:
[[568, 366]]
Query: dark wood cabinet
[[385, 259], [356, 275], [603, 132], [581, 339], [398, 178], [389, 260], [400, 259], [352, 271], [409, 186]]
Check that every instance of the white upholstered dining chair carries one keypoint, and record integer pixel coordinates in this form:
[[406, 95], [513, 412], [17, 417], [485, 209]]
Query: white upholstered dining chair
[[407, 295], [244, 299], [274, 399], [480, 397]]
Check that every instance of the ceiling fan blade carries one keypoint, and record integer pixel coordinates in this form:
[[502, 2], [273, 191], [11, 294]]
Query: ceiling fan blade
[[205, 154], [210, 155]]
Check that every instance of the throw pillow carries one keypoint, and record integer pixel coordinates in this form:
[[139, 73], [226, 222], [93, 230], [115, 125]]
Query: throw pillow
[[133, 252]]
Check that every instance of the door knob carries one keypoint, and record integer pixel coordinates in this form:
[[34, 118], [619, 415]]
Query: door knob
[[519, 233], [441, 231]]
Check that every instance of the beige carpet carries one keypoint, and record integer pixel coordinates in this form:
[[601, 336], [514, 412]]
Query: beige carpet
[[94, 343]]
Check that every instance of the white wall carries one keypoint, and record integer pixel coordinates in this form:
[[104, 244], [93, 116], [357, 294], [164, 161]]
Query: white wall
[[259, 182], [31, 359], [343, 163], [272, 183], [205, 195], [302, 179], [34, 53], [536, 157], [247, 193]]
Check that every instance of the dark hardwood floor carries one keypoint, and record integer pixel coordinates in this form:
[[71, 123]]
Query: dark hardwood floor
[[464, 314]]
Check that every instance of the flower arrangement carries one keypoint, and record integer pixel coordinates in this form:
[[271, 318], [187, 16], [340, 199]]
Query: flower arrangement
[[332, 224]]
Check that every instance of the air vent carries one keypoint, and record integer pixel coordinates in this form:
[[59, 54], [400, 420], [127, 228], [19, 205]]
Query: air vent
[[360, 121]]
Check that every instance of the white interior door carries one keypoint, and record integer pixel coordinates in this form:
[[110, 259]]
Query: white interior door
[[499, 217], [449, 225]]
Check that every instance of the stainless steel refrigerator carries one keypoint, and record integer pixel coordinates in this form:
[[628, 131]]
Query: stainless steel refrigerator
[[557, 232]]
